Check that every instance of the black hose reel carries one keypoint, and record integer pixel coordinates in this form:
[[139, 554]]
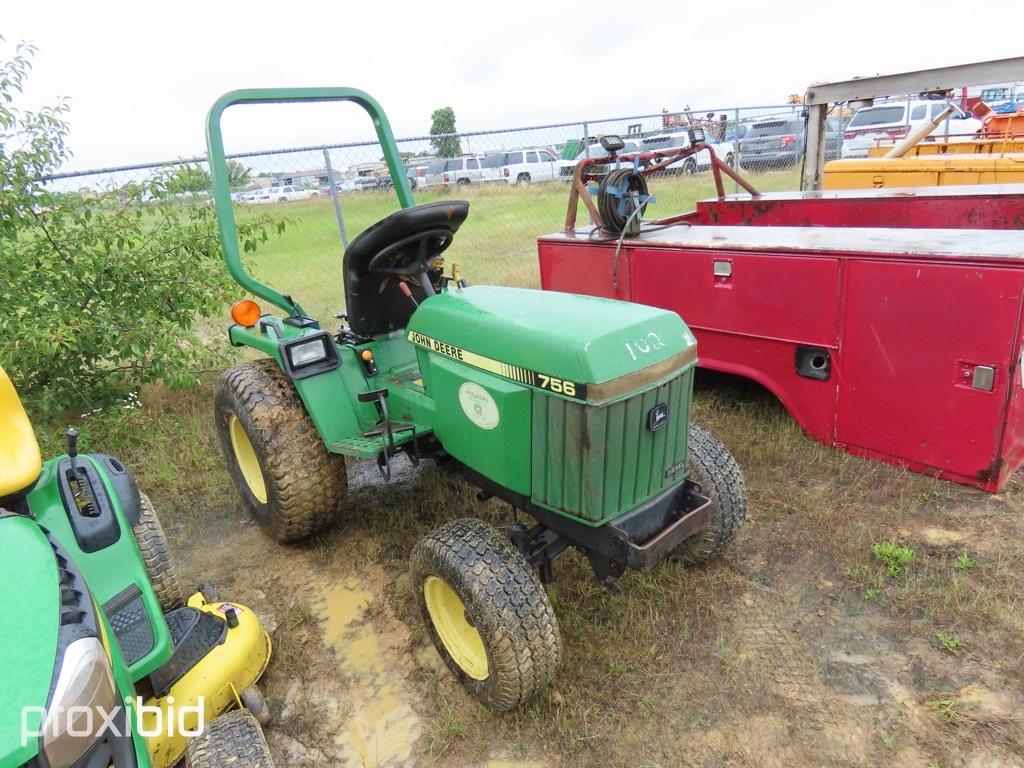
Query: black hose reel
[[622, 199]]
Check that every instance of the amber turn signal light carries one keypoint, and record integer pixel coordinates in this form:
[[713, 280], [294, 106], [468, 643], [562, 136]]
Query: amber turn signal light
[[246, 312]]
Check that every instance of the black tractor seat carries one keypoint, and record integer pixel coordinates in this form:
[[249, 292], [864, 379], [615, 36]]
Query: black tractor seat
[[397, 248]]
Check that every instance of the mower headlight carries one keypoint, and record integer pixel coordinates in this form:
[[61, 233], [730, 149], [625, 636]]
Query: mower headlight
[[307, 353], [84, 699]]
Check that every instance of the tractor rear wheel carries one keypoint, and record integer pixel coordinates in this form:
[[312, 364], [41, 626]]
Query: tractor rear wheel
[[156, 554], [289, 482], [487, 612], [233, 739], [711, 465]]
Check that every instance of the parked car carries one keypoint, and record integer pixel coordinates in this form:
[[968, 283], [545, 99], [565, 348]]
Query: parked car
[[458, 171], [342, 185], [490, 166], [689, 165], [370, 183], [250, 195], [433, 175], [284, 194], [735, 132], [591, 148], [890, 120], [779, 142], [523, 166], [417, 171]]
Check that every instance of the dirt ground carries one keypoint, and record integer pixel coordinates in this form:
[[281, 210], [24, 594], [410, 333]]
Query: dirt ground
[[798, 648]]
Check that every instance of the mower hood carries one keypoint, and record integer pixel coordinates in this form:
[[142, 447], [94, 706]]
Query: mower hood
[[576, 338], [29, 624]]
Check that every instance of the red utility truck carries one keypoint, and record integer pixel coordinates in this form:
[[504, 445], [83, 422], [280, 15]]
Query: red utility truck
[[888, 322]]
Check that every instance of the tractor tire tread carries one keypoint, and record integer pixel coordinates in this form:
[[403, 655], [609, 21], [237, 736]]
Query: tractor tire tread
[[714, 468], [156, 554], [233, 739], [509, 607], [306, 484]]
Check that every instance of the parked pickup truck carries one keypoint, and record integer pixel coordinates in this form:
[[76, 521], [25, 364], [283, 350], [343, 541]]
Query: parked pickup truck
[[577, 150], [889, 120], [285, 194], [695, 162]]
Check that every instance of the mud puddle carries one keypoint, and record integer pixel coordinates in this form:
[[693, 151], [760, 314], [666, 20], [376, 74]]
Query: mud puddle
[[382, 728]]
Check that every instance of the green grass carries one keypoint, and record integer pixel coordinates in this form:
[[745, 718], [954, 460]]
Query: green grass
[[949, 641], [894, 557], [964, 562]]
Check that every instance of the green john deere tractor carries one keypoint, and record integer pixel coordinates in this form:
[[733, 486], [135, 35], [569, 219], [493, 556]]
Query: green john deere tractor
[[573, 409], [104, 662]]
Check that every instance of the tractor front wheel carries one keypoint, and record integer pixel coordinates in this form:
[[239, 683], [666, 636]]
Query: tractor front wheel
[[713, 467], [487, 612], [289, 482], [233, 739]]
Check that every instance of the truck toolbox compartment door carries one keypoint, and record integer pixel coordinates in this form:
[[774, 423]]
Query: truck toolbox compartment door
[[794, 298], [918, 341]]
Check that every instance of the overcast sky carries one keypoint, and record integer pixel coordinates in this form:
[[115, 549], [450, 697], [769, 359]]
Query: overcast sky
[[141, 75]]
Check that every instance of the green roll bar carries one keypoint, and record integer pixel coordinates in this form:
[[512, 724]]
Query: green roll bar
[[222, 189]]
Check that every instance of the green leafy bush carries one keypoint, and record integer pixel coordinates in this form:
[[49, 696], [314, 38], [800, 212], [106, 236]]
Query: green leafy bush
[[102, 291]]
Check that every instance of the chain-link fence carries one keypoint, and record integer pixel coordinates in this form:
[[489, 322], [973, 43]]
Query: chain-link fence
[[516, 181]]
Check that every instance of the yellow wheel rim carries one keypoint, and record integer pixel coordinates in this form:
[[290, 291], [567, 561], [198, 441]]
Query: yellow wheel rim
[[459, 637], [247, 461]]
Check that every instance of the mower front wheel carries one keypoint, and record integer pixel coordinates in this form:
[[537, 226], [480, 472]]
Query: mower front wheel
[[289, 482], [714, 468], [233, 739], [156, 554], [487, 612]]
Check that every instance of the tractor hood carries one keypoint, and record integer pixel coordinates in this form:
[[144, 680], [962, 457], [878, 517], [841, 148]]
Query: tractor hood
[[521, 334], [29, 623]]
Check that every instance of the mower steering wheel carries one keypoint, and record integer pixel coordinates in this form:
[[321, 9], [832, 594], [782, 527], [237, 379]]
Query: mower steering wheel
[[411, 256]]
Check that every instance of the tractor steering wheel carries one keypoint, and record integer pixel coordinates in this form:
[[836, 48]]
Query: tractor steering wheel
[[411, 256]]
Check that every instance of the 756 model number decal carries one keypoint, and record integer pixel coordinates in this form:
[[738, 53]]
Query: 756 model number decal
[[574, 389]]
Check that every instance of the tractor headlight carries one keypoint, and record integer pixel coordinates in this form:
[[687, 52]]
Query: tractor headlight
[[84, 698], [696, 135], [309, 355]]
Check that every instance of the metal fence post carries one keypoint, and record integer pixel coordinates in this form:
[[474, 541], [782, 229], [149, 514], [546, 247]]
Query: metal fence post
[[736, 149], [337, 201]]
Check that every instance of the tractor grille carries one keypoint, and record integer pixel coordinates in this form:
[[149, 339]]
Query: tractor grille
[[597, 462]]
